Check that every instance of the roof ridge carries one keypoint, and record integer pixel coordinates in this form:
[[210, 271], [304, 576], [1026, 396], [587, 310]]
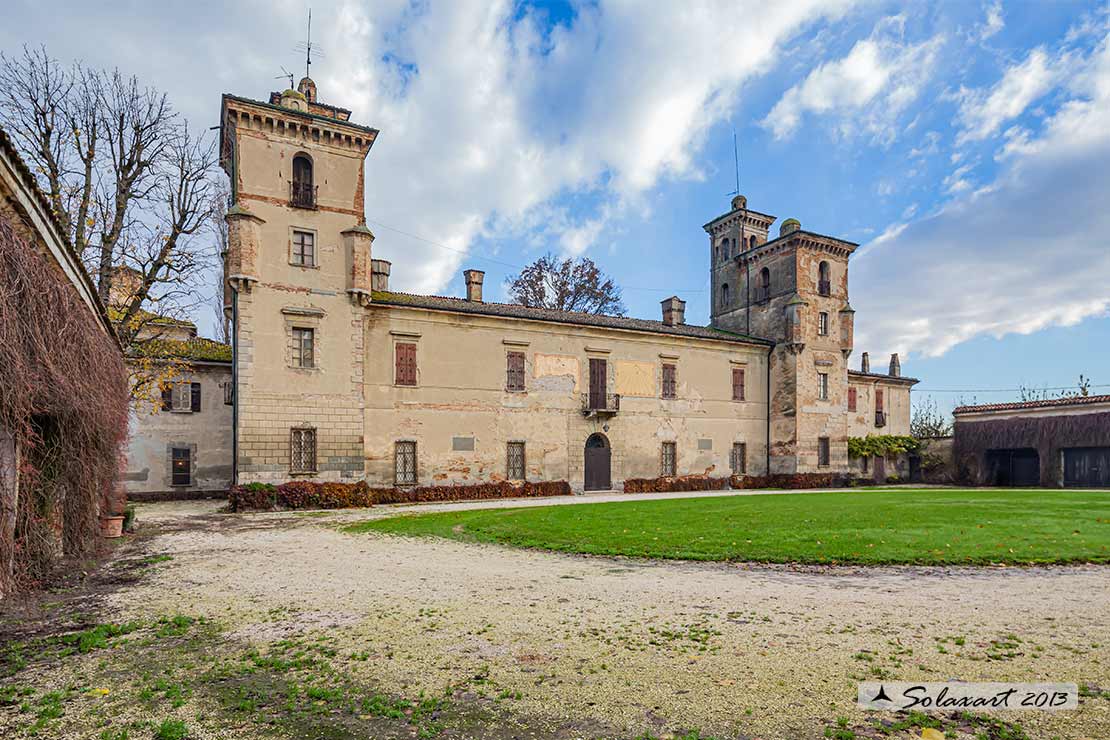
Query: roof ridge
[[1042, 403]]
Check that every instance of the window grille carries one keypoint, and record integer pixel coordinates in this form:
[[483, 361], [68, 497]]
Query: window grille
[[515, 461], [404, 466], [302, 450], [739, 461], [669, 459]]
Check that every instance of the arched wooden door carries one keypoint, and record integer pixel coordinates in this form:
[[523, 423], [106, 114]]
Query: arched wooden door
[[597, 463]]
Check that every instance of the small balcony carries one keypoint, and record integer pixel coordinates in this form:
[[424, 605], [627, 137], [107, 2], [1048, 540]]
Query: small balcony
[[880, 418], [302, 195], [824, 288], [598, 405]]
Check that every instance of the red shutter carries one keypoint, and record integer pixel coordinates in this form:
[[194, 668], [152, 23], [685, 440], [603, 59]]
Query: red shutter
[[737, 384], [406, 364], [514, 373], [878, 399], [851, 399]]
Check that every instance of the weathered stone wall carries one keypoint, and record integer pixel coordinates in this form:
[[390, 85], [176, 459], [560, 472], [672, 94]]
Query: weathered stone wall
[[461, 402], [154, 432], [896, 403]]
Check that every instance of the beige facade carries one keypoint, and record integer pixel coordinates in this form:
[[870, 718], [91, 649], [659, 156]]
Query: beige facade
[[339, 378]]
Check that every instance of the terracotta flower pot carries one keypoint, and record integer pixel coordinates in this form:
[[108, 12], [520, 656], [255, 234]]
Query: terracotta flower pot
[[111, 526]]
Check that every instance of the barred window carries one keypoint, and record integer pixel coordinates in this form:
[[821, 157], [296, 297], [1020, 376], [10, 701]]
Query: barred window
[[823, 386], [302, 450], [823, 324], [304, 341], [668, 381], [304, 249], [182, 468], [514, 371], [404, 466], [739, 461], [737, 384], [823, 451], [514, 468], [669, 459]]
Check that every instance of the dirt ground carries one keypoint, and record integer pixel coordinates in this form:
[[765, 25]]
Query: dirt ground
[[281, 625]]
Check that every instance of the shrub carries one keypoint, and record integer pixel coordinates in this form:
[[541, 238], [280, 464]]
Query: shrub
[[312, 495], [675, 483], [881, 445], [788, 480]]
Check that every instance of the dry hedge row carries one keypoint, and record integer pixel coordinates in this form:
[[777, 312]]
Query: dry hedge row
[[745, 482], [309, 495]]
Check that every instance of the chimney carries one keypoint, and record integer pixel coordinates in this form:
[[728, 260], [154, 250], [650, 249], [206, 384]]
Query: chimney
[[474, 284], [895, 365], [674, 311], [865, 363], [379, 275]]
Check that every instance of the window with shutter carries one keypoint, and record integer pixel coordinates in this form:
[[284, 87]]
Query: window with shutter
[[514, 467], [167, 398], [302, 450], [514, 371], [669, 459], [405, 354], [852, 399], [182, 397], [194, 397], [404, 466], [737, 384], [182, 466], [878, 399], [739, 461], [669, 381]]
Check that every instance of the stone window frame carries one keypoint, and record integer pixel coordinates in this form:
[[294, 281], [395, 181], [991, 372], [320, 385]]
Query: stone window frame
[[511, 352], [299, 317], [314, 468], [822, 386], [668, 462], [741, 447], [509, 444], [315, 248], [671, 393], [192, 448], [823, 323], [824, 452], [415, 463], [741, 367]]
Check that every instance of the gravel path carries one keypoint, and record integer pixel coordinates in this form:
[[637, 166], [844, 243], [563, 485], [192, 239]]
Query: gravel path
[[632, 646]]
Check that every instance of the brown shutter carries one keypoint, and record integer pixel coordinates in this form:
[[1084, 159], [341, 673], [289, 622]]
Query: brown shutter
[[878, 399], [851, 399], [194, 397], [737, 384], [514, 379], [406, 364], [668, 381]]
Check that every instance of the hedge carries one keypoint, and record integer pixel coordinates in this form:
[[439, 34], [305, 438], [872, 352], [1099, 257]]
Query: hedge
[[676, 483], [310, 495], [747, 482]]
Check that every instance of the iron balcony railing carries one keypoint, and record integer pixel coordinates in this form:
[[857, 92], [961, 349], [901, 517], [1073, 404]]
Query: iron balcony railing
[[596, 404], [302, 195]]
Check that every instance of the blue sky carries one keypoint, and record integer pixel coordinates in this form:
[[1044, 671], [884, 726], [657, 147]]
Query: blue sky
[[965, 146]]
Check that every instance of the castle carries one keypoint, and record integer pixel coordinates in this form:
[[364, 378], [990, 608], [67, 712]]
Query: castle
[[336, 376]]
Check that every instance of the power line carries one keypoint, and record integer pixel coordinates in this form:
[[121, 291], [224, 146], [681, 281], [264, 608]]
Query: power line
[[1003, 390]]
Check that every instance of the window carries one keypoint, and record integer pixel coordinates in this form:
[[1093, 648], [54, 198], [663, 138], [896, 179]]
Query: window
[[724, 295], [514, 461], [879, 399], [302, 450], [229, 393], [182, 467], [866, 463], [514, 371], [303, 194], [823, 451], [668, 381], [669, 455], [852, 399], [751, 242], [404, 465], [823, 285], [823, 324], [304, 249], [738, 463], [764, 291], [181, 397], [304, 341], [823, 386], [405, 355], [737, 384]]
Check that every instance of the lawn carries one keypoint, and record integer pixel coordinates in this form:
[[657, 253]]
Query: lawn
[[930, 526]]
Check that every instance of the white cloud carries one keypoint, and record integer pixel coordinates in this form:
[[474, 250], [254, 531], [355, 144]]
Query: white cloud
[[994, 21], [1025, 253], [866, 90], [984, 111]]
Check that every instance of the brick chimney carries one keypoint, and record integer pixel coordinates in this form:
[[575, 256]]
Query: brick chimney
[[895, 365], [865, 363], [674, 311], [474, 280], [379, 275]]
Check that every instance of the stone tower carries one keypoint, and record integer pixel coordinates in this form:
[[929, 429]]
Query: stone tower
[[298, 272], [792, 289]]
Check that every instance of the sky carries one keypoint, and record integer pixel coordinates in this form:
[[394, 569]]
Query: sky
[[964, 145]]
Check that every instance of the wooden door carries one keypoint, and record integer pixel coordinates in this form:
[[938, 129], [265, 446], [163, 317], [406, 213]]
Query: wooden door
[[597, 383], [597, 473]]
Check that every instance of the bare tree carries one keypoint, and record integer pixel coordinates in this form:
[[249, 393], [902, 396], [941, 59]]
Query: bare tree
[[127, 179], [1082, 389], [567, 285], [927, 421], [218, 226]]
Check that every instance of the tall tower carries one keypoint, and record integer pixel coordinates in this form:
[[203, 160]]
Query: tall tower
[[296, 238], [792, 289]]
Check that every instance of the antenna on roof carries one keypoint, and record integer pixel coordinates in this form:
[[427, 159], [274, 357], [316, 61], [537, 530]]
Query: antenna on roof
[[284, 74], [307, 47]]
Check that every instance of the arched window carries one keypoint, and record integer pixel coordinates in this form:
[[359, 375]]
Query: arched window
[[724, 296], [304, 193], [824, 287], [764, 284], [751, 242]]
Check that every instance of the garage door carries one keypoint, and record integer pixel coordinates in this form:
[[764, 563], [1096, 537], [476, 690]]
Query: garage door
[[1087, 466]]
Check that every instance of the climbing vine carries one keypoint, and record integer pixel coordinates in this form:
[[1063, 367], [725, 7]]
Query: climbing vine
[[881, 445]]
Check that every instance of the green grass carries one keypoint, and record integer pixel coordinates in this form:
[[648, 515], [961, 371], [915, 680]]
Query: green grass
[[873, 527]]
